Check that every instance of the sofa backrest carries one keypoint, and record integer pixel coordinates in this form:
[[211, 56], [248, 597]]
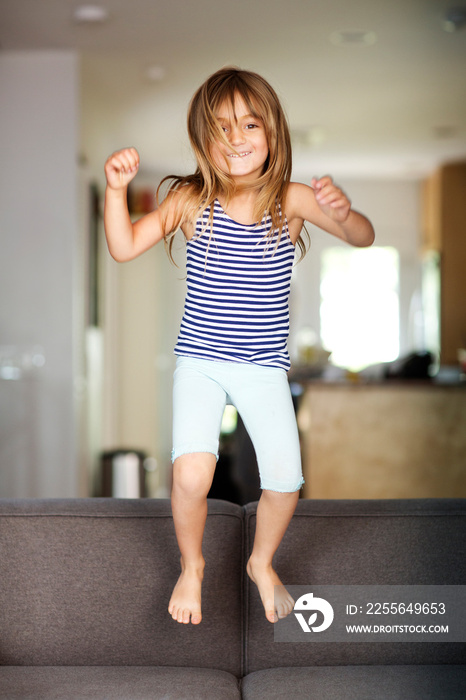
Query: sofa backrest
[[387, 542], [88, 581]]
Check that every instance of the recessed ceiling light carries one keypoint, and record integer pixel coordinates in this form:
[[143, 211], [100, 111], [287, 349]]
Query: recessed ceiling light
[[90, 13], [155, 73], [353, 37]]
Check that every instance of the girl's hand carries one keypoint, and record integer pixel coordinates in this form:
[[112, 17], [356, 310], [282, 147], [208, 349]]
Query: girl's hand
[[331, 200], [121, 167]]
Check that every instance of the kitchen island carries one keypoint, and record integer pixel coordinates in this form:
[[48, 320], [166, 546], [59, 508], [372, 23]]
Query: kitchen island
[[393, 439]]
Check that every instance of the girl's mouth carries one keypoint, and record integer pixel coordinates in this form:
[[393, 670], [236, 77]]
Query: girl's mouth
[[239, 155]]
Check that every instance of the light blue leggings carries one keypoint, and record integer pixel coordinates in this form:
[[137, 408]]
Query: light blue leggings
[[262, 396]]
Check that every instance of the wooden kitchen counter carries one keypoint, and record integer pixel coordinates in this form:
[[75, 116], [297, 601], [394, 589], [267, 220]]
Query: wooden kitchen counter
[[384, 440]]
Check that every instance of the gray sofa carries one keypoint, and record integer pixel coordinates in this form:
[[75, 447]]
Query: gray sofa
[[85, 584]]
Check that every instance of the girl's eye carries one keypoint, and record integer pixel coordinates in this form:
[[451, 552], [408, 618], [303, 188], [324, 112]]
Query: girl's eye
[[251, 126]]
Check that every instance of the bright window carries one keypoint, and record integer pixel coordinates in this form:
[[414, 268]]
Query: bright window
[[359, 309]]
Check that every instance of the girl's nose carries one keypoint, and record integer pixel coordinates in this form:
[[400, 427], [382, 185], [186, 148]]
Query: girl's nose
[[236, 136]]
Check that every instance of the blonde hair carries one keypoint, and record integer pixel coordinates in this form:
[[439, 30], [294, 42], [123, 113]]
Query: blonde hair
[[208, 181]]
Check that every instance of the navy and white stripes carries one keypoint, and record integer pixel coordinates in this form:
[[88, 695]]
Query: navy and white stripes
[[236, 306]]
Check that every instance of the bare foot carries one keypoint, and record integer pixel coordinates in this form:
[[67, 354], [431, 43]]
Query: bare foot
[[275, 598], [185, 603]]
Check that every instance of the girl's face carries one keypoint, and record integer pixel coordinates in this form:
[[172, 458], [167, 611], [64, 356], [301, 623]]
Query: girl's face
[[245, 133]]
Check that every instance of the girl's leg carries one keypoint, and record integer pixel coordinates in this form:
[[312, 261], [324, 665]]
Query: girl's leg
[[266, 407], [198, 404], [192, 478], [274, 512]]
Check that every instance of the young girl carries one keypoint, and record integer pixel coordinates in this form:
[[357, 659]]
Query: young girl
[[242, 219]]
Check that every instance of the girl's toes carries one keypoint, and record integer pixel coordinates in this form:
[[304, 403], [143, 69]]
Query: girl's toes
[[196, 618], [282, 612]]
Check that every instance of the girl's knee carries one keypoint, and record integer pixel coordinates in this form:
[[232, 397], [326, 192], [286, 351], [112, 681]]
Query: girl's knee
[[193, 473]]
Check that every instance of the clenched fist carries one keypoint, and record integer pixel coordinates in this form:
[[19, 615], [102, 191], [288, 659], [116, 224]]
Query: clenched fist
[[331, 199], [121, 167]]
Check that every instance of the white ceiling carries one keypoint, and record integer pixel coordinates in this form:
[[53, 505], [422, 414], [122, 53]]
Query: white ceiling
[[396, 107]]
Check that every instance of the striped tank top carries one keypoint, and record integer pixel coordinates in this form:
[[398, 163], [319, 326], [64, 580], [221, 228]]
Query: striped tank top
[[238, 284]]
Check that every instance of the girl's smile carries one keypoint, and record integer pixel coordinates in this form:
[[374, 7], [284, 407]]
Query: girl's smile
[[239, 155], [249, 150]]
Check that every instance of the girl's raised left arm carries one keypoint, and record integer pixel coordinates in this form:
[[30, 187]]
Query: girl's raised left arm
[[325, 205]]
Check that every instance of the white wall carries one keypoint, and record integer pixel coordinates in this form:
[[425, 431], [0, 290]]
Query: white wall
[[39, 246]]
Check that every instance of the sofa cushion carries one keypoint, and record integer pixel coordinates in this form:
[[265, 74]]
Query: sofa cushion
[[357, 683], [88, 581], [387, 542], [123, 683]]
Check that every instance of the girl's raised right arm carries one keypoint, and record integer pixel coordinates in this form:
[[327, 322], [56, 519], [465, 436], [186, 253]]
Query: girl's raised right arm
[[127, 240]]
